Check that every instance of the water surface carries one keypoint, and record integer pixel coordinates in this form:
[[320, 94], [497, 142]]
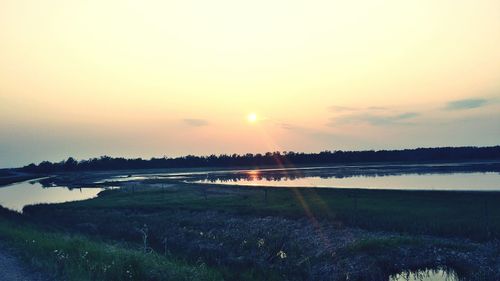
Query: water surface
[[460, 181], [442, 177], [18, 195]]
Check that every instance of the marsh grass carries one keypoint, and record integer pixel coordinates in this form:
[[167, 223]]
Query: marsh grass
[[74, 257], [222, 226], [381, 245], [473, 215]]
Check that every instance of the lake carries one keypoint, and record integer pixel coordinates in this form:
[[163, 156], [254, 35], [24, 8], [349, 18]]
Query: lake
[[439, 177], [18, 195], [442, 177], [477, 181]]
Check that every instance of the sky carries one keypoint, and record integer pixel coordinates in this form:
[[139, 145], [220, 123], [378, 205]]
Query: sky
[[169, 78]]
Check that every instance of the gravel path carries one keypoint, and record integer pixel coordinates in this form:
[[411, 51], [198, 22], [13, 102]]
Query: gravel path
[[11, 269]]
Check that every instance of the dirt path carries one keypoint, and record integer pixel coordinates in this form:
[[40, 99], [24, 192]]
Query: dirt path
[[11, 269]]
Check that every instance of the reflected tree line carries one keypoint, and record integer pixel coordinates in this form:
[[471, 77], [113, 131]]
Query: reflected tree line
[[340, 173], [281, 159]]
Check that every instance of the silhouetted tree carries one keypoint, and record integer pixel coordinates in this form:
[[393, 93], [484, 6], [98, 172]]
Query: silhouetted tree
[[286, 158]]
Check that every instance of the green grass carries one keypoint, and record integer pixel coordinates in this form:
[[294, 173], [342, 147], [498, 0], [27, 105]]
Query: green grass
[[177, 213], [474, 215], [71, 257]]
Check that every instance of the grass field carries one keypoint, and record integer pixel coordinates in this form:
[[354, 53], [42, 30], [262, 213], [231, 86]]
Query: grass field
[[292, 234], [76, 257], [474, 215], [170, 230]]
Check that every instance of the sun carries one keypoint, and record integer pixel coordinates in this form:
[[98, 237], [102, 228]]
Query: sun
[[252, 117]]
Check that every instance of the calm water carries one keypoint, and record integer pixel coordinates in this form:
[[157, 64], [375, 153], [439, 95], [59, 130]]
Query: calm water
[[18, 195], [409, 177], [442, 177], [426, 275], [488, 181]]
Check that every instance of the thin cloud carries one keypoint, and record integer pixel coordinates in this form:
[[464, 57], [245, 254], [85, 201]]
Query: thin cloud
[[345, 109], [374, 119], [466, 104], [377, 108], [193, 122], [406, 115]]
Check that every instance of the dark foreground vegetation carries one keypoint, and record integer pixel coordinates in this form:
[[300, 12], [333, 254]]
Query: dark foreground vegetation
[[441, 154], [239, 233], [67, 256], [473, 215]]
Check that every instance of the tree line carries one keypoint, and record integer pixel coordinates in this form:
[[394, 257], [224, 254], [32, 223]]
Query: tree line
[[286, 158]]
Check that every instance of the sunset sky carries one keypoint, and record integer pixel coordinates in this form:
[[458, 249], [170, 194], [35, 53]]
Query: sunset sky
[[154, 78]]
